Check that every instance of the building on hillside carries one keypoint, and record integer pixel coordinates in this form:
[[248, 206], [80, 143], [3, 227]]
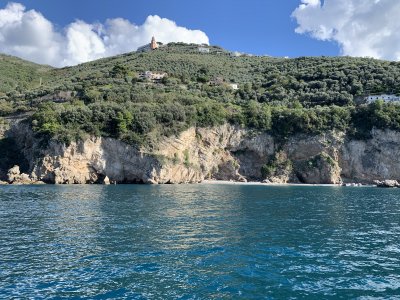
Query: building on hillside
[[153, 76], [235, 54], [150, 47], [384, 97], [153, 44], [234, 86], [204, 50]]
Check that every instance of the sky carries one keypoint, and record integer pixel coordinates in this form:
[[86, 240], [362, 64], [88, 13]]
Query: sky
[[62, 33]]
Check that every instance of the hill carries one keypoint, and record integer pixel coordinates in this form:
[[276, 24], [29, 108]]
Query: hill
[[109, 97], [18, 75]]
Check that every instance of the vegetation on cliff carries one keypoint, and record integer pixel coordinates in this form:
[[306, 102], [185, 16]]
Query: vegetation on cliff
[[281, 96]]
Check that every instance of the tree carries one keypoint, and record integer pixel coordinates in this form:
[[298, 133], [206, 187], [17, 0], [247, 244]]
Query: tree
[[119, 71]]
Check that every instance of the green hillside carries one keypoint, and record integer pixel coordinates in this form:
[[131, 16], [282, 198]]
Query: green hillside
[[282, 96], [18, 76]]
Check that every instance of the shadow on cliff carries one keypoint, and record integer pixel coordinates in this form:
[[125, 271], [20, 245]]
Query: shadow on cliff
[[11, 155]]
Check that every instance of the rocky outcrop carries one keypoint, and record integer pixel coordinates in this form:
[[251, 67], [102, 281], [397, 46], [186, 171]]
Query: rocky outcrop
[[106, 181], [387, 183], [377, 158], [92, 160], [221, 153], [197, 154], [14, 176], [321, 168]]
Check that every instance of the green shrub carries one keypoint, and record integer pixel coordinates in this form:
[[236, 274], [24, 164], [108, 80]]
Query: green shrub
[[283, 97]]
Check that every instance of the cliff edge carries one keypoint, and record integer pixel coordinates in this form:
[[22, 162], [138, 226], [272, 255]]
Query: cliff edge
[[221, 153]]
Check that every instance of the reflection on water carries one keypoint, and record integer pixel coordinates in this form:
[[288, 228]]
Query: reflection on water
[[199, 242]]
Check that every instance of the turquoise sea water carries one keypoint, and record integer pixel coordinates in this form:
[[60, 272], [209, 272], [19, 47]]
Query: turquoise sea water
[[199, 242]]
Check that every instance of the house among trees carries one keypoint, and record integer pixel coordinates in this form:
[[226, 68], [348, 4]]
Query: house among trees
[[235, 54], [384, 97], [234, 86], [150, 47], [204, 50], [152, 76]]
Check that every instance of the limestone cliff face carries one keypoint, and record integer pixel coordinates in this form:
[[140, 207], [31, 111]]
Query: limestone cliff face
[[377, 158], [315, 158], [197, 154], [222, 153]]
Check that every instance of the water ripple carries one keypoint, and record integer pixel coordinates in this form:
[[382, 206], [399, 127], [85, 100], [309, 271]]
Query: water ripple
[[199, 242]]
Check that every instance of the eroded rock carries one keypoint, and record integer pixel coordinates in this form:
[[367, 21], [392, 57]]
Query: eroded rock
[[106, 180], [321, 168], [14, 176], [225, 153], [387, 183]]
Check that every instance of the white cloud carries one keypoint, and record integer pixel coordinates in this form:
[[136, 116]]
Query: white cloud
[[83, 44], [360, 27], [28, 34]]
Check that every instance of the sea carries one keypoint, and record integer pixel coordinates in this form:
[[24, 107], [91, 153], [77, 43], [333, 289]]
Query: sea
[[204, 241]]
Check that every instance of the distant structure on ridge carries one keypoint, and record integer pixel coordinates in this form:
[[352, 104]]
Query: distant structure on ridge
[[384, 97], [153, 44], [150, 47]]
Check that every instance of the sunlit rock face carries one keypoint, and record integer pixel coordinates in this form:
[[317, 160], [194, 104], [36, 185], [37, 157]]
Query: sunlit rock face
[[222, 153]]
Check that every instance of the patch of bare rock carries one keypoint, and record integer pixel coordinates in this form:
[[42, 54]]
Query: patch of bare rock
[[14, 176], [387, 183]]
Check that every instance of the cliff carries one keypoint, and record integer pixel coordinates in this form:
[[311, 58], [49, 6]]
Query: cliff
[[221, 153]]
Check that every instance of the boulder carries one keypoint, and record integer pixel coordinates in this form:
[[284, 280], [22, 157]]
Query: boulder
[[241, 178], [387, 183], [106, 180], [13, 174]]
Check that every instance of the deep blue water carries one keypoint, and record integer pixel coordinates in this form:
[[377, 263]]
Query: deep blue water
[[199, 242]]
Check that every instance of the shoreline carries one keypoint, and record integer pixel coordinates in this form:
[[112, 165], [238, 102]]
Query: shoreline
[[204, 182], [227, 182]]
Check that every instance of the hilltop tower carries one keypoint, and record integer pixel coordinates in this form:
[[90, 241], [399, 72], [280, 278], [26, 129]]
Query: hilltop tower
[[153, 44]]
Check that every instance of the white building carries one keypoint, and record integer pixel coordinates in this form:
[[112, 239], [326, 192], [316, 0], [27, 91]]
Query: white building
[[234, 86], [204, 50], [153, 76], [235, 54], [384, 97]]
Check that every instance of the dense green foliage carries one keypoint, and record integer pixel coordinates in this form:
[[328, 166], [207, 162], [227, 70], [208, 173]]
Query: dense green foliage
[[17, 76], [282, 96]]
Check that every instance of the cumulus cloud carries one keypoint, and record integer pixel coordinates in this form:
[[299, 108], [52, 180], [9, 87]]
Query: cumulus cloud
[[28, 34], [360, 27]]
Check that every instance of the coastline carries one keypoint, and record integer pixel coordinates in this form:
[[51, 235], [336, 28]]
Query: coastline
[[212, 182], [227, 182]]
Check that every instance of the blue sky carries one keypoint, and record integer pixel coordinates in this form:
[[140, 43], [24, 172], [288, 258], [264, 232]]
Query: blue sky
[[69, 32], [254, 26]]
